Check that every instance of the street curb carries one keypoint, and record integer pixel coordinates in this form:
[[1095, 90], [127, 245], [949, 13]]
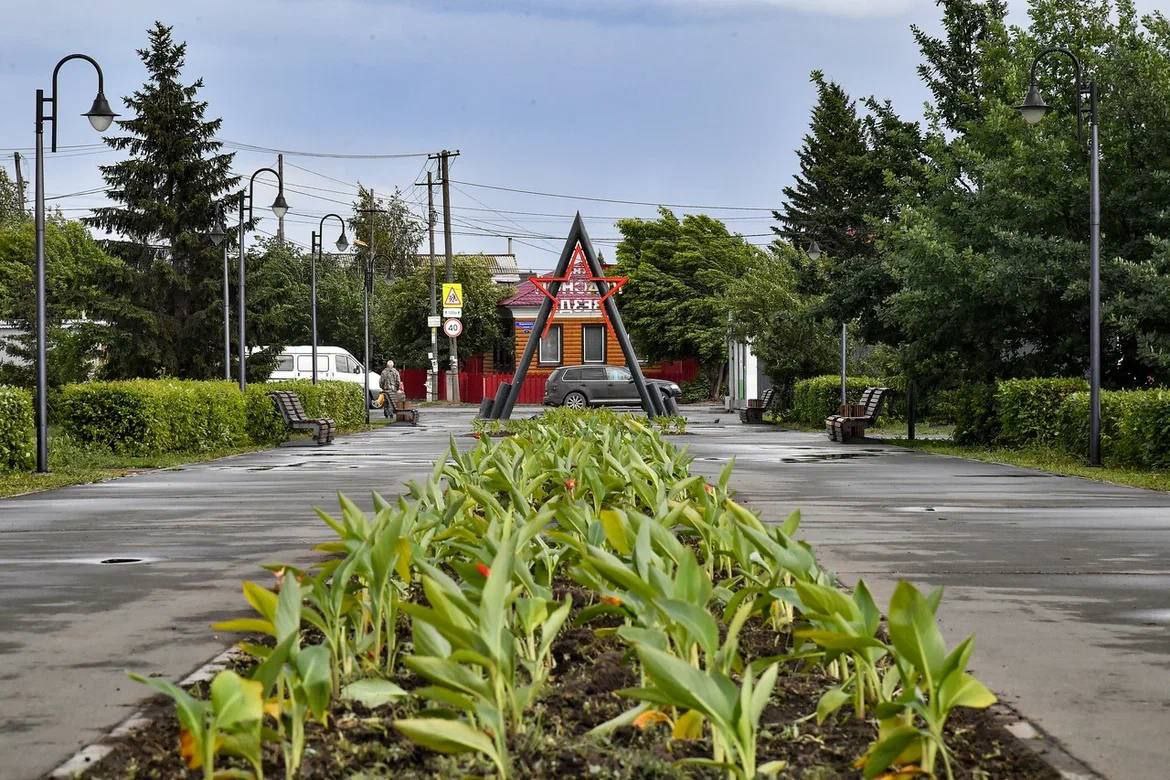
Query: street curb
[[84, 759], [1041, 743]]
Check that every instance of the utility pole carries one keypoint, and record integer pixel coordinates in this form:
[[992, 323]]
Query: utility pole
[[19, 180], [453, 369], [433, 384], [280, 219], [367, 283]]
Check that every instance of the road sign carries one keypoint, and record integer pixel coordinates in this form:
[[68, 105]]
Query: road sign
[[434, 321], [452, 295], [453, 312], [453, 328]]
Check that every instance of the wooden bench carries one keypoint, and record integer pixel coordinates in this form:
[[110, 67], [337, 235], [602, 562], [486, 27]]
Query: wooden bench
[[289, 405], [401, 408], [754, 413], [851, 420]]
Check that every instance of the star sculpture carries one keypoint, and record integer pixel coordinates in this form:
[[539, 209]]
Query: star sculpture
[[542, 283]]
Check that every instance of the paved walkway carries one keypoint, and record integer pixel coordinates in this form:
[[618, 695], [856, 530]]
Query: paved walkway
[[70, 625], [1064, 581]]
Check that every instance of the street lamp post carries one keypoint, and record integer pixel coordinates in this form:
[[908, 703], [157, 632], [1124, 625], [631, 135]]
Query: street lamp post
[[279, 208], [100, 117], [217, 236], [1033, 110], [368, 291], [315, 248]]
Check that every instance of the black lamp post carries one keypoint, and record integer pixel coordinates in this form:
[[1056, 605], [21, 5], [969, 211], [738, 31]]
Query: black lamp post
[[100, 117], [1033, 110], [279, 208], [217, 236], [315, 249], [367, 293]]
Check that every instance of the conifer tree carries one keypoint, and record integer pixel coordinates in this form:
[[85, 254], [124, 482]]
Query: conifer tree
[[171, 193]]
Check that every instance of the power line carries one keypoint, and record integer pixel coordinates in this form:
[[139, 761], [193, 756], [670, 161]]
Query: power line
[[333, 155], [613, 200]]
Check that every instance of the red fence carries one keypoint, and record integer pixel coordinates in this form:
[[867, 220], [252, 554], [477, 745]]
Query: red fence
[[474, 386]]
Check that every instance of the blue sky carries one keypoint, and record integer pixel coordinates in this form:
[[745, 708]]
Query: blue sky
[[680, 101]]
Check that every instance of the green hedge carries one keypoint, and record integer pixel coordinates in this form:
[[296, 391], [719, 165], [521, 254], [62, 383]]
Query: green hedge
[[815, 399], [1027, 408], [148, 416], [17, 440], [1135, 427]]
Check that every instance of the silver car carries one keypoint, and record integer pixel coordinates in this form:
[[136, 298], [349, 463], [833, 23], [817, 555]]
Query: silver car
[[580, 386]]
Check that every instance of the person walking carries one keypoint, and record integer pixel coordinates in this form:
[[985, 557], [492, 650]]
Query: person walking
[[391, 384]]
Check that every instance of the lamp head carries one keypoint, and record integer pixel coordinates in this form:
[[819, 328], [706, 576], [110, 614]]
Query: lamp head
[[100, 115], [342, 242], [217, 235], [814, 250], [279, 206], [1033, 108]]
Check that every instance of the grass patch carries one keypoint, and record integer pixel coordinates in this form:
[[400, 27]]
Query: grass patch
[[71, 463], [1046, 459]]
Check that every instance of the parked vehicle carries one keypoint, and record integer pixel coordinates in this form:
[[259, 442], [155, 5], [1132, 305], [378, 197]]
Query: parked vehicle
[[579, 386], [332, 363]]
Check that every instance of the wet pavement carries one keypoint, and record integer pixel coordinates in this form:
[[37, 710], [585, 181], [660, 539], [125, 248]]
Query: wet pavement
[[1064, 581], [129, 574]]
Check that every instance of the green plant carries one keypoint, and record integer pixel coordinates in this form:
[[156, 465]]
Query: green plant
[[733, 712], [934, 682], [975, 412], [1027, 408], [228, 723], [16, 429]]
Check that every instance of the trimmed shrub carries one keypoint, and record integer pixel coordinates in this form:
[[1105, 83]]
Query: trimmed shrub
[[1135, 427], [151, 416], [1027, 408], [975, 414], [815, 399], [17, 439]]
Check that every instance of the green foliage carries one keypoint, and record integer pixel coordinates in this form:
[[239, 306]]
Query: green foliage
[[12, 208], [145, 416], [974, 412], [154, 416], [17, 445], [1027, 408], [1135, 427], [402, 332], [679, 271], [815, 399], [171, 191], [82, 290], [397, 233]]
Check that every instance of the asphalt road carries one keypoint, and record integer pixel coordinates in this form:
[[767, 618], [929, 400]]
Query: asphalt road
[[1064, 581]]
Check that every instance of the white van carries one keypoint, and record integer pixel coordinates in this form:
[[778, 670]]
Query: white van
[[332, 363]]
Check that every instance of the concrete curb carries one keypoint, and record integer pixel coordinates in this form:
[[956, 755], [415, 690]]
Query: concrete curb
[[85, 758], [1040, 742]]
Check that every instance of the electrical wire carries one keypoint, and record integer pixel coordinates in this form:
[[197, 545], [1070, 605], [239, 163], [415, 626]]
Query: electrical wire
[[614, 200]]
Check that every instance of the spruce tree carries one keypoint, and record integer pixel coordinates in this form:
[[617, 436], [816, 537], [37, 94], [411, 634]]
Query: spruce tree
[[171, 192], [827, 202]]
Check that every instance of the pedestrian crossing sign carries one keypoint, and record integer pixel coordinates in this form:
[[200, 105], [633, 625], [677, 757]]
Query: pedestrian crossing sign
[[452, 295]]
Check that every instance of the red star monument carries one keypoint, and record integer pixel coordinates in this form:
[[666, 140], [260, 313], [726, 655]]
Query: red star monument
[[578, 260]]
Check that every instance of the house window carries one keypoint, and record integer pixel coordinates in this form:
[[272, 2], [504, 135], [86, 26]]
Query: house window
[[550, 347], [593, 343]]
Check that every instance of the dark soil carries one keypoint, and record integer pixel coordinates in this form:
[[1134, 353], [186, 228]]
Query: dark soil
[[589, 669]]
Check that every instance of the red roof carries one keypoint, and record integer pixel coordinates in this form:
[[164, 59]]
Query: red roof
[[526, 295]]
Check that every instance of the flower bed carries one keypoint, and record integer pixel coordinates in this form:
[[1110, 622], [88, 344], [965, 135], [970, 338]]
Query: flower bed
[[570, 601]]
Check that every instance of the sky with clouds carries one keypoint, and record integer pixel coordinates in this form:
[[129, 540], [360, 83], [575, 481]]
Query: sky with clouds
[[697, 102]]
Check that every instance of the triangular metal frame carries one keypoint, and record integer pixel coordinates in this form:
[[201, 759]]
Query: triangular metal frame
[[577, 233]]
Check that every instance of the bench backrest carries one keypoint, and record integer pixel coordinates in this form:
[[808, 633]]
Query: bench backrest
[[769, 397], [866, 396], [873, 403], [289, 405]]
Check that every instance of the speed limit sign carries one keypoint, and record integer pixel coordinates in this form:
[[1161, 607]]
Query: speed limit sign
[[453, 328]]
